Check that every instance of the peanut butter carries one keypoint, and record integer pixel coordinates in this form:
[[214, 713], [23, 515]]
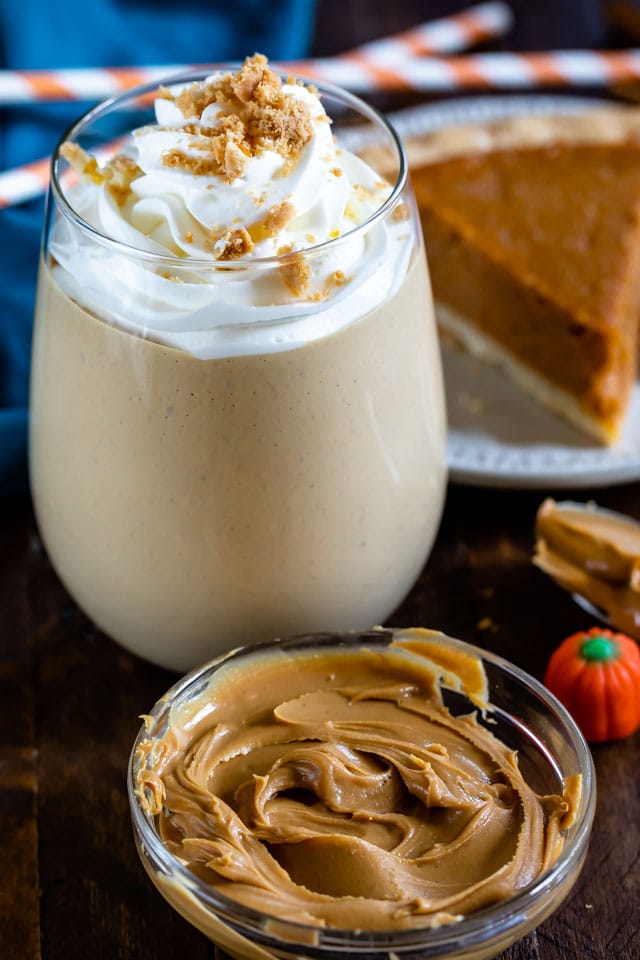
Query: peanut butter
[[335, 786], [594, 553]]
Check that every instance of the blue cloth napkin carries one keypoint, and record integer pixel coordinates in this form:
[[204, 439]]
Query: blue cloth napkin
[[43, 35]]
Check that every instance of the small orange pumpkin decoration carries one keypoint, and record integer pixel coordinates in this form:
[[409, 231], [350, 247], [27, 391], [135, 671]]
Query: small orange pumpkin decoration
[[596, 675]]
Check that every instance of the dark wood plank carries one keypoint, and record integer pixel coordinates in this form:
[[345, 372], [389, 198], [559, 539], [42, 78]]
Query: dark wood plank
[[19, 903], [81, 696], [96, 900]]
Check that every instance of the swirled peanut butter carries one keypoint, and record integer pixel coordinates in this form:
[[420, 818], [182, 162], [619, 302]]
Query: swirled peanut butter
[[594, 553], [333, 786]]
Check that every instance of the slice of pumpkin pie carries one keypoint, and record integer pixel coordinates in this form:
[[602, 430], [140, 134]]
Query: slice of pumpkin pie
[[532, 230]]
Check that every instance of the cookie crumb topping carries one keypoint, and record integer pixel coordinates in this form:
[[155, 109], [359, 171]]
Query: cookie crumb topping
[[118, 173], [296, 273], [230, 244], [254, 115]]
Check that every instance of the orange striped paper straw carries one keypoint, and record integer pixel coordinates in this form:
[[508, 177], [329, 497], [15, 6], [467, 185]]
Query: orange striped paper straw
[[95, 83], [24, 182], [460, 31], [488, 71], [447, 35]]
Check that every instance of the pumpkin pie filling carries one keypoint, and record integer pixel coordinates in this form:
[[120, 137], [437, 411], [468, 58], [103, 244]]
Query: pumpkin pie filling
[[533, 240]]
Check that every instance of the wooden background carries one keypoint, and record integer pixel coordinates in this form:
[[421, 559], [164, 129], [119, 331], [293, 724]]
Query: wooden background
[[71, 885]]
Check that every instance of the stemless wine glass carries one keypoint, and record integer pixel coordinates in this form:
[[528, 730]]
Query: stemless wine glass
[[287, 477]]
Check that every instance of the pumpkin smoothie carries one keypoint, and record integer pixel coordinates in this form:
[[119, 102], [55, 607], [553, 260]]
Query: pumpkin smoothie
[[237, 408]]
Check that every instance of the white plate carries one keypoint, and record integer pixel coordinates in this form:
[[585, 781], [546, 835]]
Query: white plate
[[498, 436]]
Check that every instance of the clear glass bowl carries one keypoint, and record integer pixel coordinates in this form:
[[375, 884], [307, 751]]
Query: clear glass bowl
[[524, 715]]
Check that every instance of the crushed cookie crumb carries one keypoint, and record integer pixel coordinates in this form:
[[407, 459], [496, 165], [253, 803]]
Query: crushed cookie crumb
[[254, 114], [230, 245], [82, 162], [366, 193], [254, 81], [401, 212], [278, 217], [118, 173], [337, 172], [317, 296], [296, 274], [188, 237], [192, 100], [224, 159], [338, 278]]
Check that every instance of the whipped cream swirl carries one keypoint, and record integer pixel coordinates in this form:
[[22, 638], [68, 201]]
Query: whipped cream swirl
[[236, 169]]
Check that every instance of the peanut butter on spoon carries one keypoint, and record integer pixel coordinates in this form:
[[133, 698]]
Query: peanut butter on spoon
[[594, 553]]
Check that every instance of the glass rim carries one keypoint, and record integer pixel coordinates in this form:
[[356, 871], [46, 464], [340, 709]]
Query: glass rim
[[110, 104], [474, 928]]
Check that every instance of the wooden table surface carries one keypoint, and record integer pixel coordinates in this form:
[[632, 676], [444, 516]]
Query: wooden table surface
[[71, 885]]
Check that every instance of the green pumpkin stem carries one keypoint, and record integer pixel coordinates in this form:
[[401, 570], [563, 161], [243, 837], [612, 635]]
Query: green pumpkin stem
[[599, 648]]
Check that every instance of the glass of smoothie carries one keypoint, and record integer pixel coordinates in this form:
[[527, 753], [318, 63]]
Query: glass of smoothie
[[237, 413]]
